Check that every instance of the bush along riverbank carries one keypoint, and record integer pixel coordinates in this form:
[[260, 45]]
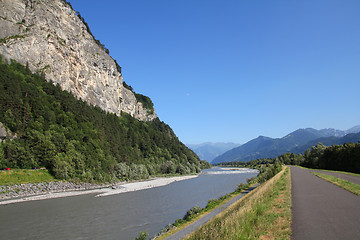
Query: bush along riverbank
[[266, 173]]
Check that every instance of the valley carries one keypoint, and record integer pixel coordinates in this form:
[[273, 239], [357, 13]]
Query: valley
[[93, 132]]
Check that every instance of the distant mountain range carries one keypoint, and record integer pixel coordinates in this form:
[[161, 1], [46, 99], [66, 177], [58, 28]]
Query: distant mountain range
[[208, 151], [296, 142]]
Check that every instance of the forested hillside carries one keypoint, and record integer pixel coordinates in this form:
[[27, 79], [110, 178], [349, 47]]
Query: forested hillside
[[77, 141]]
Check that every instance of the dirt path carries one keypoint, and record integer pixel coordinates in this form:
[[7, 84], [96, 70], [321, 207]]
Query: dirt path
[[322, 210], [195, 225]]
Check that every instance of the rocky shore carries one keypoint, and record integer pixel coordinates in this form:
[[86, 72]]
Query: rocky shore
[[40, 191], [31, 189]]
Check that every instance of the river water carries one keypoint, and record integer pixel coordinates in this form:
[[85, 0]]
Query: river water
[[121, 216]]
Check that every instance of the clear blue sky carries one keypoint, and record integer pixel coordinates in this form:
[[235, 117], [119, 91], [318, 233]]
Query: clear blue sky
[[229, 71]]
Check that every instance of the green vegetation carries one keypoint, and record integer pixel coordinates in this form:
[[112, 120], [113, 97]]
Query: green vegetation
[[102, 46], [127, 86], [190, 214], [336, 157], [75, 141], [263, 214], [19, 176], [348, 173], [142, 236], [349, 186], [146, 101], [5, 40]]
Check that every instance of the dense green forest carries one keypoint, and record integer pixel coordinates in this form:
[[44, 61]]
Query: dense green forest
[[344, 157], [81, 142]]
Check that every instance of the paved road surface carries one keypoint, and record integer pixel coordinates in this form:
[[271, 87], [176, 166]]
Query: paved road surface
[[350, 178], [322, 210], [192, 227]]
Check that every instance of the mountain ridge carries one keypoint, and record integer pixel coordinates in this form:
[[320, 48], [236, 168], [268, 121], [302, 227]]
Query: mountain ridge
[[209, 150], [266, 147], [64, 105]]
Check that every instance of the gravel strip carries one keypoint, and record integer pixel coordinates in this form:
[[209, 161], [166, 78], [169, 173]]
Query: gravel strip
[[31, 189]]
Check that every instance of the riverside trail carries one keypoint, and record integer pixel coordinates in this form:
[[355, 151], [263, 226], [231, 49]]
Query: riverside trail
[[322, 210]]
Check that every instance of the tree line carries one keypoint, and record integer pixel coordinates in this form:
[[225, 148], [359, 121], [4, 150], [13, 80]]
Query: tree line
[[344, 157], [77, 141]]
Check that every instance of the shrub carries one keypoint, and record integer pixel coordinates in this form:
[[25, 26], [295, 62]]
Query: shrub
[[142, 236], [192, 213]]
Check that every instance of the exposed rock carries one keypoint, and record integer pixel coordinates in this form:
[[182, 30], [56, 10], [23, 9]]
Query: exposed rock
[[30, 189], [49, 37], [4, 133]]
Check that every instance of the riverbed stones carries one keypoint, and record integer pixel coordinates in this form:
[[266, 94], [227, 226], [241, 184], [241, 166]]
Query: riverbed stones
[[30, 189]]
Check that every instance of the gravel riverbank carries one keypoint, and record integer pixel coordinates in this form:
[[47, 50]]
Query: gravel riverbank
[[31, 189], [39, 191]]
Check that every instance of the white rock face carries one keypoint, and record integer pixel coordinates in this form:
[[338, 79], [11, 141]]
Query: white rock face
[[4, 133], [49, 37]]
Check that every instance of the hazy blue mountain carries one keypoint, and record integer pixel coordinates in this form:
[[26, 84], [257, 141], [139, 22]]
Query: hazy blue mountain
[[328, 141], [208, 151], [355, 129], [299, 141]]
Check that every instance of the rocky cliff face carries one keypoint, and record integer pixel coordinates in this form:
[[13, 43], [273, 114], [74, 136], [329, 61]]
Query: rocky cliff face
[[49, 37]]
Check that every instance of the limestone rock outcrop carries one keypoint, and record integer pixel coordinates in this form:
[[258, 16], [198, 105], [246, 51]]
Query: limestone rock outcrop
[[49, 37], [5, 133]]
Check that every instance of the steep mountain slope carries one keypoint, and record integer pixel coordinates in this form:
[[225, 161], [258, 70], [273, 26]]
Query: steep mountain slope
[[208, 151], [49, 37], [265, 147], [77, 141], [64, 106]]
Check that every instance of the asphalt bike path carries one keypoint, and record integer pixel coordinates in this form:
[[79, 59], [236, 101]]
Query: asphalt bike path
[[322, 210], [203, 220]]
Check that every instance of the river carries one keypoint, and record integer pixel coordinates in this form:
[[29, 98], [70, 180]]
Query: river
[[121, 216]]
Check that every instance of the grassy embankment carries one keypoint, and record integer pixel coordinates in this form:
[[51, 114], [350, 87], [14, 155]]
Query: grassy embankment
[[196, 213], [349, 186], [265, 213], [19, 176]]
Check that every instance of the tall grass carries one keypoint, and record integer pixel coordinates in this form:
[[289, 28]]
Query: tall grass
[[265, 213], [19, 176]]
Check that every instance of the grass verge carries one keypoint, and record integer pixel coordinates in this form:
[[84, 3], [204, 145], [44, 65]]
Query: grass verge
[[348, 173], [326, 170], [349, 186], [19, 176], [265, 213]]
